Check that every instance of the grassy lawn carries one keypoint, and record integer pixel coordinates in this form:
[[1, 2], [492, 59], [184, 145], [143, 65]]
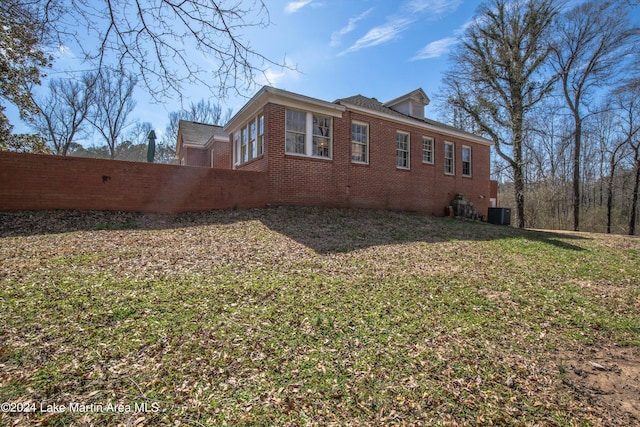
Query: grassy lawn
[[304, 316]]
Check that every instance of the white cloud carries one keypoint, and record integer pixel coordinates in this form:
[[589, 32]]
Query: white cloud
[[272, 77], [380, 34], [294, 6], [64, 50], [351, 25], [409, 12], [433, 7], [435, 49]]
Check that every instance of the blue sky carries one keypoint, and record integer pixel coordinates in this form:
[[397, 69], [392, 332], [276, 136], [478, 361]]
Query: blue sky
[[377, 48], [339, 48]]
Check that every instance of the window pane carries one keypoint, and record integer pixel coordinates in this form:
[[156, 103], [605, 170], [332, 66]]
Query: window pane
[[466, 161], [321, 126], [321, 147], [244, 153], [321, 141], [358, 152], [260, 143], [358, 133], [427, 150], [296, 121], [466, 154], [359, 141], [253, 152], [448, 158], [295, 143], [402, 150], [295, 132], [402, 159]]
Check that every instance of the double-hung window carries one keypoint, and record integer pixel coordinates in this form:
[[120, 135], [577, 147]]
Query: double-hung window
[[359, 143], [249, 143], [296, 132], [449, 158], [402, 150], [244, 149], [466, 161], [321, 140], [253, 148], [308, 134], [260, 144], [427, 149]]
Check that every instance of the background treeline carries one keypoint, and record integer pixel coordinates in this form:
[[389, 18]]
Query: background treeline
[[608, 167], [556, 86]]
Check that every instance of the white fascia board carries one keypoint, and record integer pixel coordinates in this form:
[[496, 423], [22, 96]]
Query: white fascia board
[[208, 144], [460, 134], [272, 95], [294, 100], [415, 94]]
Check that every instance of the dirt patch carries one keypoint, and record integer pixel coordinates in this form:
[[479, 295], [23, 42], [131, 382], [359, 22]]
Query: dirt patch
[[609, 377]]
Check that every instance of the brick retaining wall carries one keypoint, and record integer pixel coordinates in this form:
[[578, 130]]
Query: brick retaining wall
[[39, 182]]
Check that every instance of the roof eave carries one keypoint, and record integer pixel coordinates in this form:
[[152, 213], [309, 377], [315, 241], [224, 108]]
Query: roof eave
[[407, 96], [273, 95], [419, 123]]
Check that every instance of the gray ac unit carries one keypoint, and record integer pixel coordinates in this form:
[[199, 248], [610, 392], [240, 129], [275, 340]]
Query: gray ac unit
[[499, 216]]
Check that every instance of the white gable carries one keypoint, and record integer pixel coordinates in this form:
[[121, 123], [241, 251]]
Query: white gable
[[411, 104]]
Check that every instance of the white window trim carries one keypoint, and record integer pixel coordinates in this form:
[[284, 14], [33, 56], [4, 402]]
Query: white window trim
[[366, 144], [308, 137], [470, 174], [236, 149], [252, 145], [453, 158], [433, 149], [408, 167], [260, 132]]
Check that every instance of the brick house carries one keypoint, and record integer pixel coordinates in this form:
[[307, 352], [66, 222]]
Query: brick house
[[353, 152], [200, 144]]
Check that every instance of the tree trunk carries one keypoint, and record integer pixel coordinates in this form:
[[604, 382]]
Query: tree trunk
[[577, 142], [634, 200], [518, 163], [519, 193], [610, 193]]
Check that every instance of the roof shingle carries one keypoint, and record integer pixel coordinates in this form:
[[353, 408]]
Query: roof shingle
[[375, 105], [194, 133]]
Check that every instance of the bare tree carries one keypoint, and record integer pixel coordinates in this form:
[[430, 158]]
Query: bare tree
[[63, 113], [628, 101], [134, 147], [113, 103], [590, 46], [202, 112], [497, 78], [165, 43]]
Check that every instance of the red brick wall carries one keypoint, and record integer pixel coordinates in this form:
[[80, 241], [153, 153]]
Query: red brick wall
[[197, 157], [35, 182], [221, 155], [380, 184]]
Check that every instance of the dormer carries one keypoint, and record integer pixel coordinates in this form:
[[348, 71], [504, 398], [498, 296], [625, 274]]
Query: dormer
[[411, 104]]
